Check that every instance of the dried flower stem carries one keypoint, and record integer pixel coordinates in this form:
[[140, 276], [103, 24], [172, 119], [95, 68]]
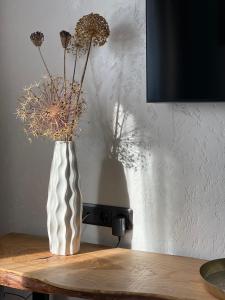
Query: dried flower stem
[[64, 72], [43, 60], [83, 75], [85, 66], [75, 65], [73, 80], [64, 67], [47, 69]]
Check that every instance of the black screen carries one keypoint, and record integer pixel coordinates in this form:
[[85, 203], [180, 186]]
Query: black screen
[[185, 50]]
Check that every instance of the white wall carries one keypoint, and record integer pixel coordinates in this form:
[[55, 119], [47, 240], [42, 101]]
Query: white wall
[[178, 198]]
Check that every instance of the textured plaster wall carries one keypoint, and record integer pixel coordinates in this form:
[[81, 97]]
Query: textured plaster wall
[[178, 197]]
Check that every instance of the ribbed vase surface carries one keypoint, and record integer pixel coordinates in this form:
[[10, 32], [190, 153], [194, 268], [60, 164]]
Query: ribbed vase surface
[[64, 208]]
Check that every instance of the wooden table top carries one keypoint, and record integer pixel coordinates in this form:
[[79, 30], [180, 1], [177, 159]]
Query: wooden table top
[[98, 272]]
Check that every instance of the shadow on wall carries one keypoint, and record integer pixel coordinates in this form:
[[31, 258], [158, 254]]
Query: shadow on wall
[[113, 184], [132, 175], [162, 194], [121, 134]]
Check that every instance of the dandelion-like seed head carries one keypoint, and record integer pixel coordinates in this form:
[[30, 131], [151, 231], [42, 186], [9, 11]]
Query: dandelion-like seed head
[[92, 27], [48, 110]]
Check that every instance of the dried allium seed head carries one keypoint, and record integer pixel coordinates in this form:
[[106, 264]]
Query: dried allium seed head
[[75, 47], [47, 111], [37, 38], [92, 27], [65, 38]]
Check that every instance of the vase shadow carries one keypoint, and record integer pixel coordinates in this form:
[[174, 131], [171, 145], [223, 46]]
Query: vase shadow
[[112, 184], [112, 190]]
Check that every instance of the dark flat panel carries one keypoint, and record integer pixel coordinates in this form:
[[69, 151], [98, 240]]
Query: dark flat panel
[[38, 296], [185, 50]]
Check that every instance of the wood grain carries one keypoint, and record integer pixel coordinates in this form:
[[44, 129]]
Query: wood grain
[[98, 272]]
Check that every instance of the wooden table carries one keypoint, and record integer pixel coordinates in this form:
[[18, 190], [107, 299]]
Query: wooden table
[[98, 272]]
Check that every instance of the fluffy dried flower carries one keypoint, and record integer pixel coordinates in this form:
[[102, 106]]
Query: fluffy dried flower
[[37, 38], [92, 27], [65, 38], [49, 111]]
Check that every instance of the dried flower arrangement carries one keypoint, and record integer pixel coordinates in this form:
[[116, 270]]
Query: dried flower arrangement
[[52, 107]]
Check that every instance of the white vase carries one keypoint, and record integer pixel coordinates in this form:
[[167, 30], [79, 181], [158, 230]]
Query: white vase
[[64, 206]]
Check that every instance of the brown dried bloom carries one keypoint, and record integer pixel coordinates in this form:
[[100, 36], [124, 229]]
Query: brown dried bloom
[[65, 38], [48, 111], [37, 38], [92, 27], [76, 47]]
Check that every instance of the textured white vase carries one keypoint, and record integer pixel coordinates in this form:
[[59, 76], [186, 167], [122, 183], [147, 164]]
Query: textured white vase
[[64, 206]]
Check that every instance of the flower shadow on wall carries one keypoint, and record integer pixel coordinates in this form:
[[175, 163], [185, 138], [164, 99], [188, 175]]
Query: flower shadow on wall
[[152, 207], [112, 183], [122, 143], [126, 142]]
